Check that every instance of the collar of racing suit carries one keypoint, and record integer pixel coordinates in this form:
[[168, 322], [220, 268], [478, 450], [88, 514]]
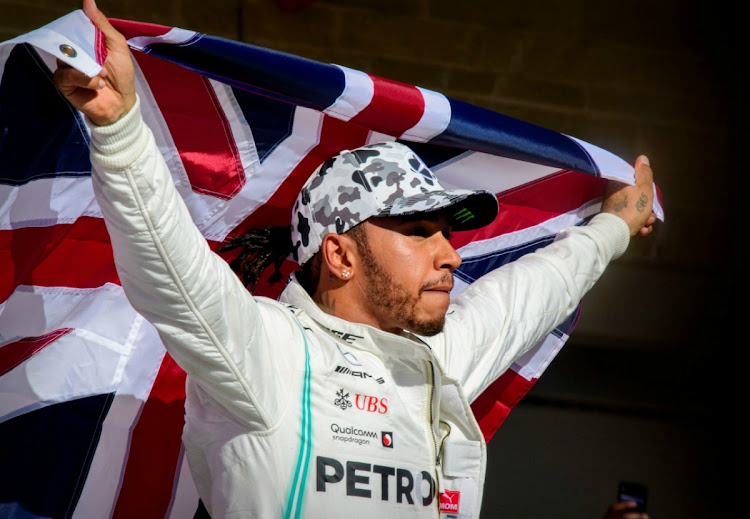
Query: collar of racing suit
[[367, 337]]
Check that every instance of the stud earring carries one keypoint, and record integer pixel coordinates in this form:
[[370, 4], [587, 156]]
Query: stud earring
[[345, 273]]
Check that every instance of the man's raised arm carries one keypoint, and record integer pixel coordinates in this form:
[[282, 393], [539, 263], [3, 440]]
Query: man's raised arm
[[508, 311], [207, 319]]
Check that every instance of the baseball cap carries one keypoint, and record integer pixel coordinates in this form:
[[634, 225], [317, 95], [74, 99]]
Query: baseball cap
[[383, 179]]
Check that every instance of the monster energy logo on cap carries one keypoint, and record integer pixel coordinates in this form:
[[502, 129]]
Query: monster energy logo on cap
[[463, 215]]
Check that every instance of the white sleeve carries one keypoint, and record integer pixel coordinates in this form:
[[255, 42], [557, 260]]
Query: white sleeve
[[211, 325], [507, 311]]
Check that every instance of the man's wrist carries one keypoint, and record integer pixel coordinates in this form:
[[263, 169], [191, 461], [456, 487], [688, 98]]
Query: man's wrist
[[614, 230], [120, 144]]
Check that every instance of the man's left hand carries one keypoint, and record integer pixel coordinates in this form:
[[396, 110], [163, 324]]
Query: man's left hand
[[634, 204]]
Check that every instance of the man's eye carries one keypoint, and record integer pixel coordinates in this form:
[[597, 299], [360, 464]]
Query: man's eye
[[418, 231]]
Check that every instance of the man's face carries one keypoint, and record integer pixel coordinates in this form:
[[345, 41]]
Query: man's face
[[408, 269]]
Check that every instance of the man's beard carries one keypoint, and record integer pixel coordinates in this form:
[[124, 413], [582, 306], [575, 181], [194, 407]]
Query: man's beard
[[383, 291]]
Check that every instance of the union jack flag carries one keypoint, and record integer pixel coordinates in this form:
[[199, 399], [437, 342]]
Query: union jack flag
[[91, 406]]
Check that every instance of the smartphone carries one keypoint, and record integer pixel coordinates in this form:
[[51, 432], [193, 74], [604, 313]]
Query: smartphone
[[631, 491]]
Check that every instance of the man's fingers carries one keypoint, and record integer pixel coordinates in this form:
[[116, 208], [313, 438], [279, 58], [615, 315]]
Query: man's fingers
[[98, 18], [68, 79]]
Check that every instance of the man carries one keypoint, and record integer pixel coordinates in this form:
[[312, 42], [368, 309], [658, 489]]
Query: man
[[351, 395]]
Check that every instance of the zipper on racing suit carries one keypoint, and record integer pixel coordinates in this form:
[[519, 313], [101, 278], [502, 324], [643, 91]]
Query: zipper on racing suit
[[435, 450], [436, 444]]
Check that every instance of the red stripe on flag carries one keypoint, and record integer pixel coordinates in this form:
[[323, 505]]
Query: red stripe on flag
[[100, 46], [148, 481], [536, 202], [198, 126], [13, 354], [491, 408], [395, 107], [77, 255]]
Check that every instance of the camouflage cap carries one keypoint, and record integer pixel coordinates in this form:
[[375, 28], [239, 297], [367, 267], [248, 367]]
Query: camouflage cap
[[384, 179]]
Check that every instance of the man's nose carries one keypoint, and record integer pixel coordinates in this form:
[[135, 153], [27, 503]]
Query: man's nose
[[447, 257]]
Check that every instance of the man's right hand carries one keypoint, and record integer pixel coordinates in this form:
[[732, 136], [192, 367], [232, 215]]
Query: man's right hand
[[105, 98], [624, 510]]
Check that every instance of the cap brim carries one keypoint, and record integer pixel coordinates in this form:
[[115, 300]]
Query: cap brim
[[466, 210]]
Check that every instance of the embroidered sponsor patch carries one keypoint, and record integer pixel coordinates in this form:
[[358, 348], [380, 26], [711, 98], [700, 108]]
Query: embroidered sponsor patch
[[449, 501]]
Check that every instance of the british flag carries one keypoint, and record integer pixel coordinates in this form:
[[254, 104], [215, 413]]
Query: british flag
[[91, 406]]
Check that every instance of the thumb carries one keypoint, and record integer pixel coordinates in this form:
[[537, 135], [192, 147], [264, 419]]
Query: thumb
[[101, 22], [644, 173]]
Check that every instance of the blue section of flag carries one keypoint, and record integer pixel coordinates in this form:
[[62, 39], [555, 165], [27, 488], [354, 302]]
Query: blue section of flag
[[41, 136], [476, 128], [45, 457], [475, 267], [261, 71], [270, 120]]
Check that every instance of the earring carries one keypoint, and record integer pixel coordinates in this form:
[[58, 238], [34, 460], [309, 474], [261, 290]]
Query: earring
[[345, 273]]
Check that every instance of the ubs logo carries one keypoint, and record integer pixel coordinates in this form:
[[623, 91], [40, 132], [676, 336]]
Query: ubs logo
[[367, 403], [371, 404]]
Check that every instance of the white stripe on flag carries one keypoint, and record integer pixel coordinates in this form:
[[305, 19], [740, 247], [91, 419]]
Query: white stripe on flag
[[475, 170], [435, 117], [376, 137], [89, 360], [184, 494], [611, 166], [32, 311], [99, 493], [532, 364], [46, 202], [4, 53], [175, 36], [358, 92], [71, 367]]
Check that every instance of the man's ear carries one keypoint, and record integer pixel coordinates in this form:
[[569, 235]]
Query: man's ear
[[339, 254]]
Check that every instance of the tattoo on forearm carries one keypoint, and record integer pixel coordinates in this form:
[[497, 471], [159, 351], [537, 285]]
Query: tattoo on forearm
[[641, 203], [328, 303]]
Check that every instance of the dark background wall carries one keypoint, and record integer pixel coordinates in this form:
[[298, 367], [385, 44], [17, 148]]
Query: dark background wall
[[646, 387]]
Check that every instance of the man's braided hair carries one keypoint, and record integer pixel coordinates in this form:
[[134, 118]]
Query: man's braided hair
[[261, 248]]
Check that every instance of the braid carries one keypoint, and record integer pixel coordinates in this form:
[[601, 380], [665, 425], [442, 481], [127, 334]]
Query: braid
[[260, 248]]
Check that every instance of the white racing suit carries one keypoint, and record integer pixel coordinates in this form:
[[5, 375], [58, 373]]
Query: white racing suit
[[292, 412]]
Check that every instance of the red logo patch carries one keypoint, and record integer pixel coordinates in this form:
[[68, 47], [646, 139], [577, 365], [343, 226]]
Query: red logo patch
[[449, 501]]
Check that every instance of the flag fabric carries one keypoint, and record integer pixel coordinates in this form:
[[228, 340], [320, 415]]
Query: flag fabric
[[91, 406]]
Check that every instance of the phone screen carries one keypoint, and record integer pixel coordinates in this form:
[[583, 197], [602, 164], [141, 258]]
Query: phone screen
[[631, 491]]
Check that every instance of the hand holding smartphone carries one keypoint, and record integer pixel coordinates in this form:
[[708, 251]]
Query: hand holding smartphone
[[632, 491]]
